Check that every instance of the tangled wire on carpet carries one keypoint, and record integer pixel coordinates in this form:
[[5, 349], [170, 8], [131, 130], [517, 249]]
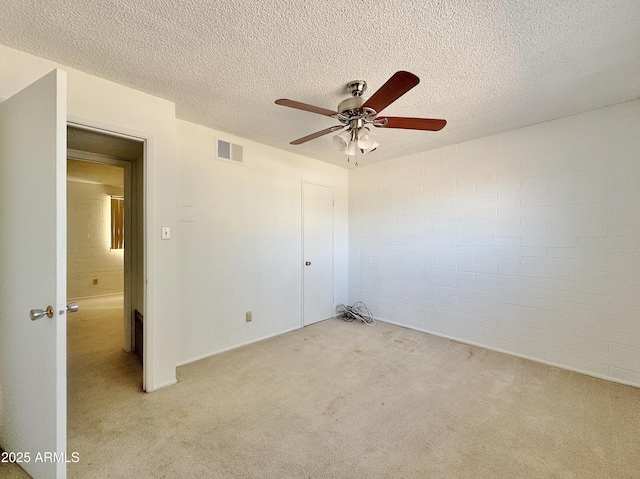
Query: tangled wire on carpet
[[358, 310]]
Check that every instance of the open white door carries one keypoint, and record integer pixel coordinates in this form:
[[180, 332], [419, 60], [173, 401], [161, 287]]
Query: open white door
[[317, 250], [33, 363]]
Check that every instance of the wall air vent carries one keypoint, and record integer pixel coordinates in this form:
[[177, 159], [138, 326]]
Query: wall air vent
[[228, 151]]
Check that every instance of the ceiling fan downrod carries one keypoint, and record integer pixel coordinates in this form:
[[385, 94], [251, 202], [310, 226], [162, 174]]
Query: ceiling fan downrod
[[357, 87]]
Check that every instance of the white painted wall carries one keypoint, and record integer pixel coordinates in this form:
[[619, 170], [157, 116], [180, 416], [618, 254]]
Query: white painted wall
[[236, 230], [89, 253], [240, 231], [526, 242], [98, 102]]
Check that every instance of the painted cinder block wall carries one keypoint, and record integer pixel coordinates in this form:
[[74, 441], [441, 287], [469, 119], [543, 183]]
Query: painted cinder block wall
[[89, 253], [526, 242]]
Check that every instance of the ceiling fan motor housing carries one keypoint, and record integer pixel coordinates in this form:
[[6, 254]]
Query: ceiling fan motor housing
[[351, 106]]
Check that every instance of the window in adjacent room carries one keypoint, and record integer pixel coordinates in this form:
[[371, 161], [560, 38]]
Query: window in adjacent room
[[117, 222]]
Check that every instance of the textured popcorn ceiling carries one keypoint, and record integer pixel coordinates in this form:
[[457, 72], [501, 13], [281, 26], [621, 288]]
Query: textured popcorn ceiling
[[485, 66]]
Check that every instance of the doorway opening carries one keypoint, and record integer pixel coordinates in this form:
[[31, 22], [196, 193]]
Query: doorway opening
[[104, 262]]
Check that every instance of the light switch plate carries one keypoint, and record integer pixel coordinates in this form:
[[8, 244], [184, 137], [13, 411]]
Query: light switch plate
[[166, 233]]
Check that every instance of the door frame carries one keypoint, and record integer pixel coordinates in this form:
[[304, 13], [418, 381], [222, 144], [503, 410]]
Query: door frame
[[333, 244], [147, 254]]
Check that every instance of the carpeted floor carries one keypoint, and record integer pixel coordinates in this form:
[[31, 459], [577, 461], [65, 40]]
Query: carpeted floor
[[343, 400]]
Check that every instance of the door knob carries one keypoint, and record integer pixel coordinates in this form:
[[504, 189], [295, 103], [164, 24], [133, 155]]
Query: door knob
[[72, 307], [308, 263], [39, 313]]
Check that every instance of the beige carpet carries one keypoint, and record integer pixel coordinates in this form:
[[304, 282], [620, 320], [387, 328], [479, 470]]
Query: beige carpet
[[343, 400]]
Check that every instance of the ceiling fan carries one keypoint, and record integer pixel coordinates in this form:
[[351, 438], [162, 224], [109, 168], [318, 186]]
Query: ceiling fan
[[356, 112]]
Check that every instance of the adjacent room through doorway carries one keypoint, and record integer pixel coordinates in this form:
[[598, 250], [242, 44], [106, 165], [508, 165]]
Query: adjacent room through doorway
[[104, 262]]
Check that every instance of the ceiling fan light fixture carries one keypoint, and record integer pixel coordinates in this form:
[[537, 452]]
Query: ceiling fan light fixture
[[342, 141], [352, 140], [367, 141]]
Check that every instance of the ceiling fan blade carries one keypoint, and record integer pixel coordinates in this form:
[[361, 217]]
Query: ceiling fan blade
[[317, 134], [406, 123], [399, 84], [305, 107]]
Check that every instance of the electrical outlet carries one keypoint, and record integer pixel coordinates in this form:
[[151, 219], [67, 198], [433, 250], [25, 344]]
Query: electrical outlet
[[248, 316], [95, 281]]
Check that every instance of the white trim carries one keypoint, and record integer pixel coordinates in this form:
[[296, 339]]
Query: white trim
[[96, 157], [241, 345], [317, 183], [302, 182], [108, 128], [164, 385], [95, 296], [510, 353]]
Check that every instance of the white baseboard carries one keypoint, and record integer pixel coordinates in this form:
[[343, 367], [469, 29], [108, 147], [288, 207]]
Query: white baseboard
[[510, 353], [163, 385], [95, 296], [220, 351]]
